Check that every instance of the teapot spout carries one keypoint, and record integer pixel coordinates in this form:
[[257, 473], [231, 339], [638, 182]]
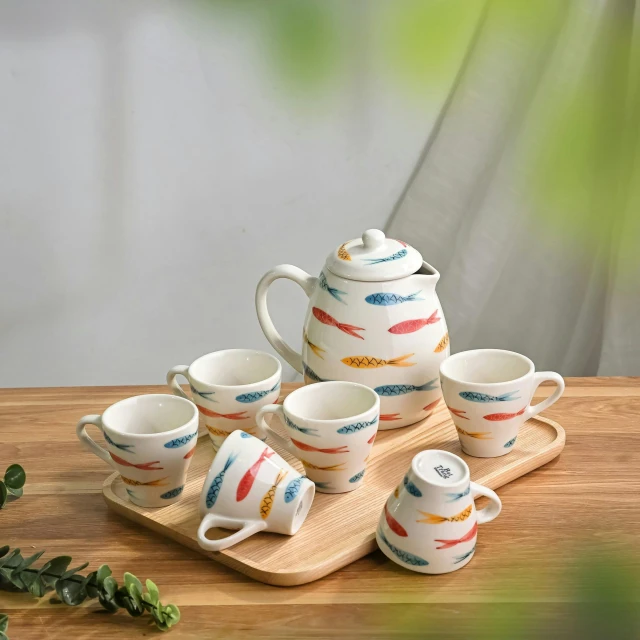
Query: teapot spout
[[427, 276]]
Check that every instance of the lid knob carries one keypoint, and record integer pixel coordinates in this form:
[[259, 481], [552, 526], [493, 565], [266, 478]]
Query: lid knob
[[372, 239]]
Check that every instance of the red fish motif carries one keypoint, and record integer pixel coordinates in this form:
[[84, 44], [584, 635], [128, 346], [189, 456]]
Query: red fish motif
[[229, 416], [307, 447], [390, 416], [432, 405], [372, 438], [458, 413], [325, 318], [496, 417], [190, 454], [447, 544], [245, 484], [143, 466], [409, 326], [394, 525], [404, 244]]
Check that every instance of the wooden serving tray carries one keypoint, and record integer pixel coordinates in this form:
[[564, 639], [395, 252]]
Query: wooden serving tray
[[340, 528]]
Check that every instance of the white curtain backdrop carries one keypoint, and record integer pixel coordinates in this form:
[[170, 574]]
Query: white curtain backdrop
[[514, 275]]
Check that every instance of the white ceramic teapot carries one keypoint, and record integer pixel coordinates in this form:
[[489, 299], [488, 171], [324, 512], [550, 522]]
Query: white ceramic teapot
[[373, 318]]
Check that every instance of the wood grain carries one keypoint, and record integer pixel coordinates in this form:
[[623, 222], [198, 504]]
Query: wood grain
[[587, 496], [339, 528]]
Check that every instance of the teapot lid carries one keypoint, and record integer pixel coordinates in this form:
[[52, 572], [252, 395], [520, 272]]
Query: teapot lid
[[374, 258]]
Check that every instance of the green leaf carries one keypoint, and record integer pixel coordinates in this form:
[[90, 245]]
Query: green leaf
[[15, 492], [153, 594], [93, 588], [3, 552], [107, 603], [8, 560], [34, 583], [130, 580], [15, 477], [110, 586], [57, 568], [166, 617], [4, 622], [102, 573], [71, 572], [27, 562], [3, 494], [128, 602], [72, 592]]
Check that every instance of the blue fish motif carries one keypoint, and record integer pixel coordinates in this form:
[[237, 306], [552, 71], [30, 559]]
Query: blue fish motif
[[472, 396], [132, 494], [123, 447], [357, 477], [396, 256], [256, 395], [173, 493], [216, 485], [456, 496], [508, 445], [411, 488], [388, 299], [357, 426], [405, 556], [305, 430], [324, 285], [180, 442], [464, 556], [400, 389], [323, 485], [203, 394], [243, 434], [311, 374], [293, 488]]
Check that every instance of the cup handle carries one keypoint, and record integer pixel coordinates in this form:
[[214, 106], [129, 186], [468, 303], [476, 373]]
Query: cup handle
[[178, 370], [493, 510], [264, 429], [214, 520], [88, 442], [538, 379]]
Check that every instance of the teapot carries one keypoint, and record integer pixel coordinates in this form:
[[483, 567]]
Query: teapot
[[373, 318]]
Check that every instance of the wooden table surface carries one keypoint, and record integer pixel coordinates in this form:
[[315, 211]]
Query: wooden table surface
[[555, 523]]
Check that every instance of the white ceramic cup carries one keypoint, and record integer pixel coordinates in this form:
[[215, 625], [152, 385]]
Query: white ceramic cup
[[229, 387], [430, 523], [331, 426], [488, 393], [150, 442], [250, 488]]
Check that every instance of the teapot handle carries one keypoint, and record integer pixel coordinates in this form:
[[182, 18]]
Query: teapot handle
[[308, 284]]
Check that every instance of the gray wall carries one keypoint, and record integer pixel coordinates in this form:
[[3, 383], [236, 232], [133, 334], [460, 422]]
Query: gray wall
[[153, 165]]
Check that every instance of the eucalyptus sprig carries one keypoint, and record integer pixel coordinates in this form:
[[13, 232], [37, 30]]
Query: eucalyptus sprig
[[16, 574], [12, 483]]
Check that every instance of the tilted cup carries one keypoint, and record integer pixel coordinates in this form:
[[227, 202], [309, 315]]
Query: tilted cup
[[250, 488], [331, 428], [150, 441], [229, 387], [488, 393], [429, 523]]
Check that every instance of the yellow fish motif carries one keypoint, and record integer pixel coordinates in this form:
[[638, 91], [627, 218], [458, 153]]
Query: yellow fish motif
[[368, 362], [314, 347], [442, 345], [479, 435], [343, 254], [432, 518], [153, 483], [214, 431], [333, 467], [266, 503], [396, 493]]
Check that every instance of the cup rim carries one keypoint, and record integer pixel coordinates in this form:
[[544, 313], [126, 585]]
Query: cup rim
[[441, 484], [194, 416], [277, 373], [330, 421], [461, 354]]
